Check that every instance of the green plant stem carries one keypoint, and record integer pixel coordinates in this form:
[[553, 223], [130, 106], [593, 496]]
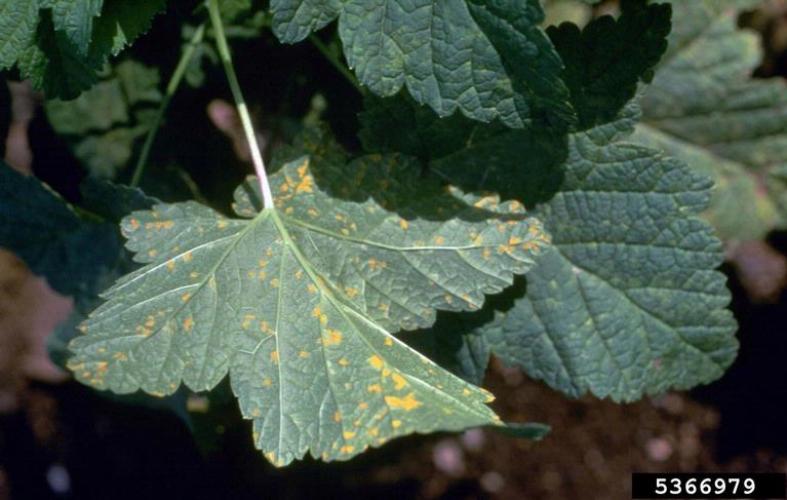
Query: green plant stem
[[172, 87], [240, 103], [334, 59]]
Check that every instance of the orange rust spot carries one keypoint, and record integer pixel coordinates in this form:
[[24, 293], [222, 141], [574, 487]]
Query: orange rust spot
[[185, 297], [399, 381], [376, 362], [406, 403], [304, 354], [333, 337], [363, 405], [187, 257], [375, 388], [347, 448], [337, 417], [222, 224], [171, 265], [439, 240], [188, 324], [375, 264], [265, 327], [275, 357], [159, 225], [102, 366], [119, 356], [152, 252]]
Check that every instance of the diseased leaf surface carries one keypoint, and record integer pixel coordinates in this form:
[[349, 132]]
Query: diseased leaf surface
[[488, 59], [704, 107], [298, 303], [626, 301]]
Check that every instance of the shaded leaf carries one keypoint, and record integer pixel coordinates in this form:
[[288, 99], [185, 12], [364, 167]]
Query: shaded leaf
[[704, 108], [605, 60], [488, 59], [104, 140]]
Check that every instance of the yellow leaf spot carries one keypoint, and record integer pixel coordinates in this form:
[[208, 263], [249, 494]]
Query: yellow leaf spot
[[373, 431], [256, 412], [486, 253], [265, 327], [289, 210], [404, 224], [262, 275], [344, 362], [152, 252], [185, 297], [221, 224], [267, 382], [311, 288], [406, 403], [466, 392], [262, 263], [194, 275], [247, 319], [375, 388], [375, 264], [350, 291], [376, 362], [513, 240], [386, 372], [150, 321], [363, 405], [101, 366], [396, 424], [305, 184], [333, 337], [388, 341], [299, 274], [304, 354], [271, 457], [399, 381], [284, 187], [275, 283], [171, 265], [275, 357], [449, 299], [119, 356], [347, 448], [188, 324], [337, 417], [348, 434], [313, 213], [158, 225]]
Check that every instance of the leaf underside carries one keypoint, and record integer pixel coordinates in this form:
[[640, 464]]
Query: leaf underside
[[298, 304]]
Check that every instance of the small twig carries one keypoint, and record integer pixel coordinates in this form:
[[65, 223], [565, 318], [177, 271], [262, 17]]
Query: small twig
[[172, 87]]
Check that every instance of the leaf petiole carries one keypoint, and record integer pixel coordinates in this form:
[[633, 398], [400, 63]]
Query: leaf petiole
[[240, 103]]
